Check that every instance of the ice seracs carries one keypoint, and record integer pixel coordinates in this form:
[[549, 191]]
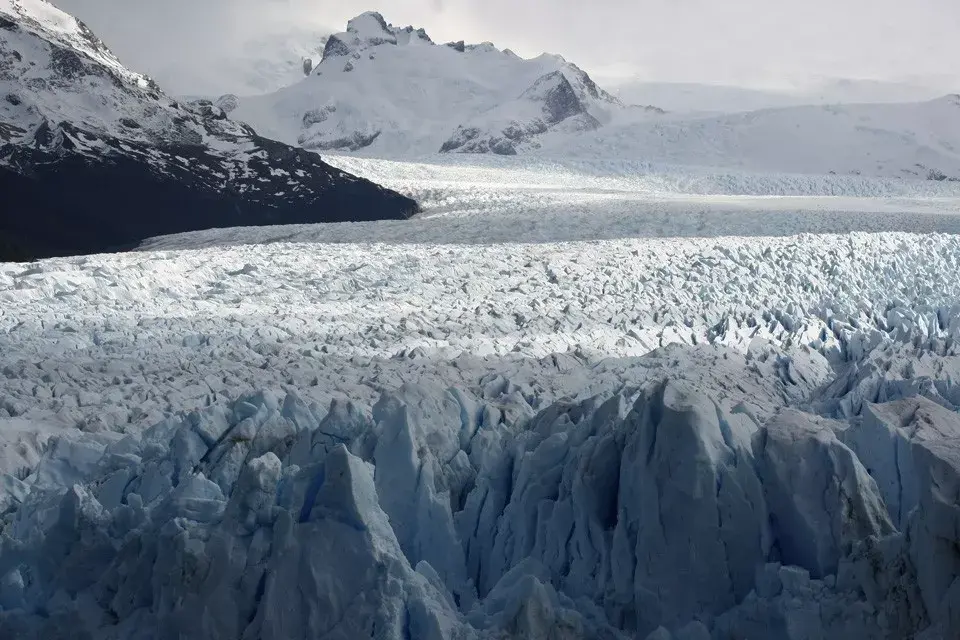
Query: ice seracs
[[340, 433], [572, 521], [789, 473]]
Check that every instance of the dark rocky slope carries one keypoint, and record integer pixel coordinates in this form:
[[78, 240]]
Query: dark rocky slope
[[94, 157]]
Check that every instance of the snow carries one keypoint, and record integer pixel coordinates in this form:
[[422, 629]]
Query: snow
[[885, 140], [63, 73], [66, 30]]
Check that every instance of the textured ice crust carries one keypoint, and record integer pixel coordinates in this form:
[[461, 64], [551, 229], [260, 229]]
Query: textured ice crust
[[688, 500], [677, 439]]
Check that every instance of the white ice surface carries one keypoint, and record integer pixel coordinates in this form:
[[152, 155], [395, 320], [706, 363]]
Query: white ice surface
[[482, 199]]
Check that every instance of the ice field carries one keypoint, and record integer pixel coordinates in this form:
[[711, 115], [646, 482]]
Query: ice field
[[570, 400], [484, 199]]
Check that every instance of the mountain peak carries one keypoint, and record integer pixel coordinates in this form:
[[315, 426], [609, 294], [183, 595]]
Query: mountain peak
[[369, 30], [371, 27], [466, 97], [558, 97]]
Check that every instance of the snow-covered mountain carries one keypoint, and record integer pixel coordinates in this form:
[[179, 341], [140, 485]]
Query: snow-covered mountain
[[387, 91], [393, 90], [94, 156], [909, 140]]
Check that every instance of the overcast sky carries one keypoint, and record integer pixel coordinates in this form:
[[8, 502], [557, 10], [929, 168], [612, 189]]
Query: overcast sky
[[746, 42]]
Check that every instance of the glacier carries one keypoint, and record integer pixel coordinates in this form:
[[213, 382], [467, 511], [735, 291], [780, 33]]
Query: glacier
[[687, 438]]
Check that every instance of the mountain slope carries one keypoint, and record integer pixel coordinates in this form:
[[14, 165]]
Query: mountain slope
[[911, 140], [393, 90], [95, 157]]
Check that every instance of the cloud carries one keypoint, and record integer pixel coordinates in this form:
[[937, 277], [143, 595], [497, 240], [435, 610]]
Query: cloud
[[750, 42]]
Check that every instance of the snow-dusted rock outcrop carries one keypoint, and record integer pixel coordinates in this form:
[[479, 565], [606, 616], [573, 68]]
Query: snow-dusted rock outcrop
[[94, 156], [552, 100], [393, 90]]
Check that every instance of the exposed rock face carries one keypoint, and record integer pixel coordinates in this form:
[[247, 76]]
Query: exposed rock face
[[227, 103], [559, 99], [552, 100], [367, 31], [94, 157]]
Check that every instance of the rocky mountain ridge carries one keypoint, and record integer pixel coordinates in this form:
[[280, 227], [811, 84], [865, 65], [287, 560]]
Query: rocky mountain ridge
[[94, 156]]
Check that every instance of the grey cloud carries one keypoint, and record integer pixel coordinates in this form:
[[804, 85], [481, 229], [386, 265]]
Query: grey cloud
[[752, 42]]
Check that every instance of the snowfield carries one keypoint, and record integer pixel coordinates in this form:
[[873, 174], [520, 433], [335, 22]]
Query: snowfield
[[916, 139]]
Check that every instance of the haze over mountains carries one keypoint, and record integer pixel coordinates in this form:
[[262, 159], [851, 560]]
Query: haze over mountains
[[743, 43], [268, 62], [701, 98]]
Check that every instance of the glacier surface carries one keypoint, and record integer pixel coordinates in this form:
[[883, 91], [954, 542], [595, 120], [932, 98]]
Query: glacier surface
[[666, 438]]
